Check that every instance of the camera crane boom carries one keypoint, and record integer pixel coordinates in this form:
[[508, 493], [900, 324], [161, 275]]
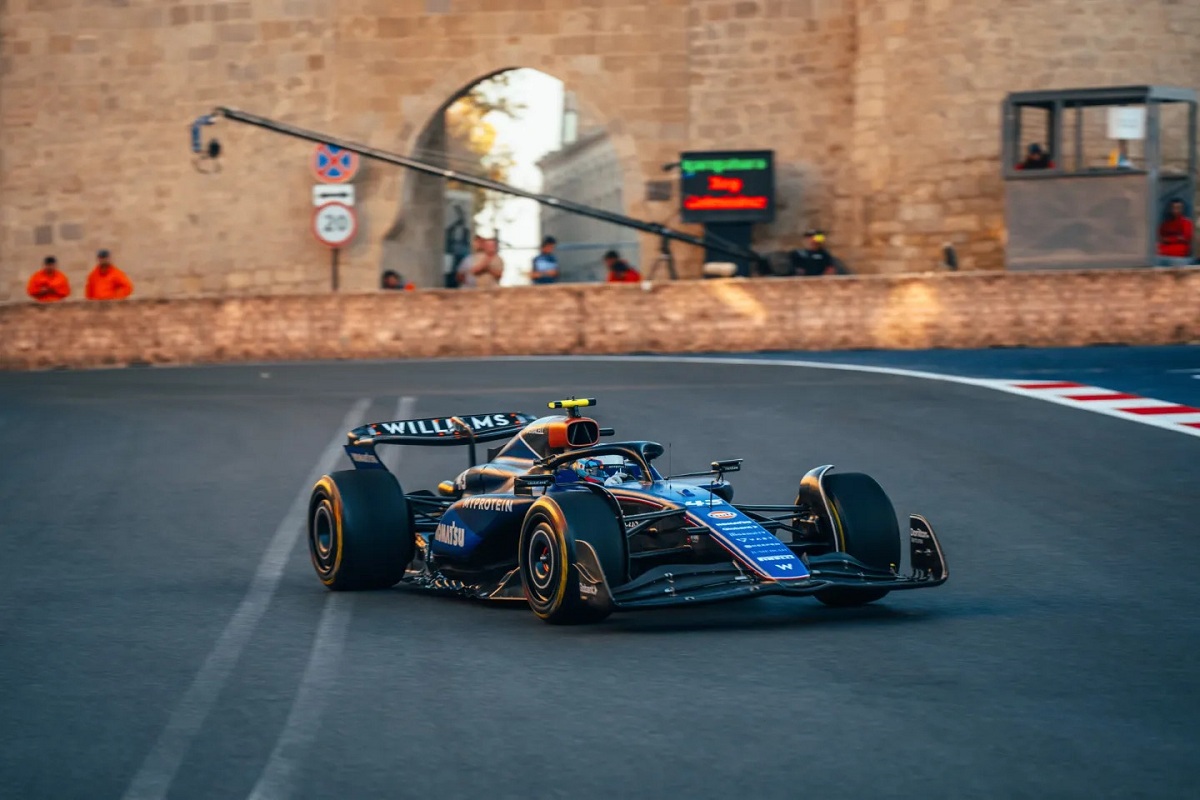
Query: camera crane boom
[[666, 234]]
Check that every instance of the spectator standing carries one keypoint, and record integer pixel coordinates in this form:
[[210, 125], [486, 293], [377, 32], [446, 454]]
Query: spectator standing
[[458, 246], [545, 263], [106, 282], [1036, 158], [484, 269], [619, 270], [1175, 236], [48, 284], [814, 259]]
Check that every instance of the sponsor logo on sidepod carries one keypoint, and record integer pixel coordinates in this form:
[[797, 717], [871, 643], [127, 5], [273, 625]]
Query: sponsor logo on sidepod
[[488, 503], [722, 514], [451, 533]]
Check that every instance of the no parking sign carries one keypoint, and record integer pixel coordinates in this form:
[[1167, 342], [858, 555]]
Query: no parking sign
[[331, 164]]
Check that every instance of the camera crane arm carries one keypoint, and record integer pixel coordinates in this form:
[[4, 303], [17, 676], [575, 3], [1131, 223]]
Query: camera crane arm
[[666, 234]]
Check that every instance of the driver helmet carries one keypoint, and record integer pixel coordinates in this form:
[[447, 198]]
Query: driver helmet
[[587, 468]]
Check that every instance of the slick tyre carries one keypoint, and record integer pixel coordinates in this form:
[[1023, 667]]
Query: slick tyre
[[864, 521], [360, 532], [554, 531]]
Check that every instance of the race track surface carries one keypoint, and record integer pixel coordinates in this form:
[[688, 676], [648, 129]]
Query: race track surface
[[162, 633]]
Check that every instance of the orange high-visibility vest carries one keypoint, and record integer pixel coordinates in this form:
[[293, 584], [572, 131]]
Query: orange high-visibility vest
[[48, 288], [113, 285]]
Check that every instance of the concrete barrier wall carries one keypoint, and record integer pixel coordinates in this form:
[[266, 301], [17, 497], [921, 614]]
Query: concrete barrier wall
[[1146, 306]]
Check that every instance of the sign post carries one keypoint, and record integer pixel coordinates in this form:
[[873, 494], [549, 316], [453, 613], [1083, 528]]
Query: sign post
[[334, 224]]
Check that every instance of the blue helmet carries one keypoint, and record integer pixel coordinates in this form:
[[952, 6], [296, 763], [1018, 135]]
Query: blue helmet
[[589, 468]]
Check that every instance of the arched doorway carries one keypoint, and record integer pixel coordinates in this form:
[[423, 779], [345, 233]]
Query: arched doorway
[[545, 139]]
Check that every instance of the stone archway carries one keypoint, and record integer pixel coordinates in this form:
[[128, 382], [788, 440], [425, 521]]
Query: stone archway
[[412, 243]]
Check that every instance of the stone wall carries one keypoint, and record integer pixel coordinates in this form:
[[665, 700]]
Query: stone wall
[[884, 115], [952, 310], [929, 80], [96, 99]]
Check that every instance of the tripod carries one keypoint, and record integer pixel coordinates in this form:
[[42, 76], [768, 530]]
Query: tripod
[[664, 256]]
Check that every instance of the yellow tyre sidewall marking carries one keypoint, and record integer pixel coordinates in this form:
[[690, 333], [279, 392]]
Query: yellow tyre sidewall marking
[[335, 498], [559, 525], [839, 532]]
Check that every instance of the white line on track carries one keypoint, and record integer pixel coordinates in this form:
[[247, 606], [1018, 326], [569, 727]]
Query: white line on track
[[300, 728], [153, 779], [1009, 386]]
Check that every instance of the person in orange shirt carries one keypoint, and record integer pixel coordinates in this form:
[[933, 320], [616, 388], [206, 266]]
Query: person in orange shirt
[[106, 282], [48, 284], [619, 270], [394, 280]]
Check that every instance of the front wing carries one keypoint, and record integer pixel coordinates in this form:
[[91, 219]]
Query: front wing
[[691, 585]]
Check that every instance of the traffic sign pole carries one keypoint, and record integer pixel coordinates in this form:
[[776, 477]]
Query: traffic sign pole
[[334, 221]]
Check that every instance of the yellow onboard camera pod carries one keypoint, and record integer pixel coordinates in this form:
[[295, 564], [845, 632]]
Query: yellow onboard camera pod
[[573, 405]]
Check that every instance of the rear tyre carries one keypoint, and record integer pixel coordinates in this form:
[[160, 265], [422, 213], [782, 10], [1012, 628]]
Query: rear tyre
[[550, 536], [864, 523], [360, 533]]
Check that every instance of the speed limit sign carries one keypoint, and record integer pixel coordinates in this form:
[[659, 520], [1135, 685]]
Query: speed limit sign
[[335, 224]]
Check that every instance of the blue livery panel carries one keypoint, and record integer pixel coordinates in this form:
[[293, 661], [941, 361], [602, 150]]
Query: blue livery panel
[[755, 545], [471, 521]]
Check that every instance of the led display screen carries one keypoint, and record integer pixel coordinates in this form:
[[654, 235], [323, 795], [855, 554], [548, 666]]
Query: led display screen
[[728, 186]]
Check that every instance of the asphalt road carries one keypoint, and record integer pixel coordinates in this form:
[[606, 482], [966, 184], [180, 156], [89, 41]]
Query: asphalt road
[[162, 633], [1165, 372]]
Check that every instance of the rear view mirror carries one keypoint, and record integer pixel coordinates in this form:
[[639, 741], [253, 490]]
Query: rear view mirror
[[524, 484]]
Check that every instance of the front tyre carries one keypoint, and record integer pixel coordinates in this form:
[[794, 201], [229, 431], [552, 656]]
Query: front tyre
[[359, 530], [547, 556], [864, 524]]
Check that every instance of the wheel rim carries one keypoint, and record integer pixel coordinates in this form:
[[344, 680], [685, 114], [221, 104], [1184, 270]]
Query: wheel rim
[[323, 537], [541, 562]]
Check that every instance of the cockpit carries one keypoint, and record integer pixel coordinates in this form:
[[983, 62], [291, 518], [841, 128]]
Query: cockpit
[[568, 447], [606, 470]]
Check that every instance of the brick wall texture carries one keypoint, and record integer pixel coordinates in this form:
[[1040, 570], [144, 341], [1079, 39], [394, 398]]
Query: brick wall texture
[[884, 115], [952, 310]]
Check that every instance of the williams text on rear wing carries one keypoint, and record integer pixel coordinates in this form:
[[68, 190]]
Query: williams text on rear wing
[[464, 429]]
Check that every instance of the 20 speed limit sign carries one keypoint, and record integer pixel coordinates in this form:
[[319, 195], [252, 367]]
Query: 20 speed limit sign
[[335, 224]]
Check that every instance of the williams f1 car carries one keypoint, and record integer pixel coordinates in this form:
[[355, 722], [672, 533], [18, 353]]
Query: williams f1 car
[[579, 528]]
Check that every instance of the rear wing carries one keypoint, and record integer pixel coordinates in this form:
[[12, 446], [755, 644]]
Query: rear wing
[[465, 429]]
